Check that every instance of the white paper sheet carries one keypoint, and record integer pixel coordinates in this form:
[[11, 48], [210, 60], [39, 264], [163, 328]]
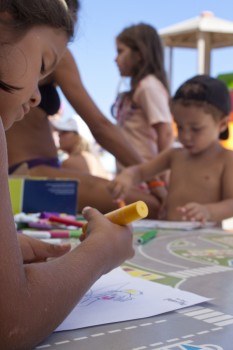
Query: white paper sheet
[[172, 225], [118, 297]]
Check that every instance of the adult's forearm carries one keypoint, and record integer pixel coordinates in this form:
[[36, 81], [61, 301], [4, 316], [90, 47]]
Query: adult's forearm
[[114, 141]]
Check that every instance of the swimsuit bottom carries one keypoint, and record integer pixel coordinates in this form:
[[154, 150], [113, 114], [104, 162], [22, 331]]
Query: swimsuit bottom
[[53, 162]]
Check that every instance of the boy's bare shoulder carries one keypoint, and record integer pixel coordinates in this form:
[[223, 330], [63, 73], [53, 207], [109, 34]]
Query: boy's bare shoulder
[[226, 157], [177, 152], [227, 154]]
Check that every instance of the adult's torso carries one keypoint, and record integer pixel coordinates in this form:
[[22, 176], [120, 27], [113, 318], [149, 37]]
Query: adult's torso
[[31, 137]]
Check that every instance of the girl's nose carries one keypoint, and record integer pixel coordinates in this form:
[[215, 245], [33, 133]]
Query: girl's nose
[[35, 98]]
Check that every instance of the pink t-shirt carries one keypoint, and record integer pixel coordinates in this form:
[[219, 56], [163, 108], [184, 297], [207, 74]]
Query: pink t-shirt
[[150, 105]]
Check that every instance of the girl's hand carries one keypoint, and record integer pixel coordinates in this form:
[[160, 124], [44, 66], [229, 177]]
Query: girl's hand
[[34, 250], [114, 243], [194, 212]]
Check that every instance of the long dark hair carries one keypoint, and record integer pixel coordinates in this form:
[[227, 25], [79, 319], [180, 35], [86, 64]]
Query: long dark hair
[[17, 17], [145, 39]]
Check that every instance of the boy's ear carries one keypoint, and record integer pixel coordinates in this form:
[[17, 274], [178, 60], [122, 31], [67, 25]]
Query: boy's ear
[[223, 123]]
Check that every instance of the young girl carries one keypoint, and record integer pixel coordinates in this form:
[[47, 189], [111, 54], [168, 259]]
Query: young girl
[[35, 298], [143, 112]]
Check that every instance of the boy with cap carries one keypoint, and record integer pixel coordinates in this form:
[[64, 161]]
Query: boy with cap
[[200, 187]]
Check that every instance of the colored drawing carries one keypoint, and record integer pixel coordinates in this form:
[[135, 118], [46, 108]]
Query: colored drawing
[[114, 293], [201, 347]]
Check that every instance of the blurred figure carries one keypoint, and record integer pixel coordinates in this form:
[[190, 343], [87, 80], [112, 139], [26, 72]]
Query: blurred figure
[[74, 151], [143, 112]]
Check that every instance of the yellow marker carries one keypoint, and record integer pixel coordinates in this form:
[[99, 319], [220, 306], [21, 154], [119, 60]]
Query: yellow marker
[[127, 214]]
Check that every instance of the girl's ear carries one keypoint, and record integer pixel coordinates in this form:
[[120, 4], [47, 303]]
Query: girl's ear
[[137, 57], [223, 124]]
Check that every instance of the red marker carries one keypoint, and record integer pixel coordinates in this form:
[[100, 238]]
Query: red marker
[[65, 221]]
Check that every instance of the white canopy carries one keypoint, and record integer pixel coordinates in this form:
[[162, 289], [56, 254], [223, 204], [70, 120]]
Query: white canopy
[[204, 32]]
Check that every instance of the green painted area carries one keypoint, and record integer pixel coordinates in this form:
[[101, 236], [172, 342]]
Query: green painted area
[[151, 275], [202, 256], [223, 240]]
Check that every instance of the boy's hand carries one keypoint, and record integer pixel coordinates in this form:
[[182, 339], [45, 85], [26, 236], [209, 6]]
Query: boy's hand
[[34, 250], [194, 212], [120, 186]]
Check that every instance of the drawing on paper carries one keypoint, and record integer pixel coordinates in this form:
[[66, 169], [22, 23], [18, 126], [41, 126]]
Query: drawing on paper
[[115, 293]]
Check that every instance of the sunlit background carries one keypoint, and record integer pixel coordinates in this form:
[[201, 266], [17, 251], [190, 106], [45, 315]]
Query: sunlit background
[[99, 23]]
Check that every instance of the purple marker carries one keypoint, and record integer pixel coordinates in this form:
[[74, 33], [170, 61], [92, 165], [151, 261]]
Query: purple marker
[[41, 225]]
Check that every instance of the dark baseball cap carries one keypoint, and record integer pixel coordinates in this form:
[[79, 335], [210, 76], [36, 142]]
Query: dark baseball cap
[[214, 92]]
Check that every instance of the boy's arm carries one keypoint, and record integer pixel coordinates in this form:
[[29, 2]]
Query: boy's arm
[[107, 134], [136, 174], [224, 209]]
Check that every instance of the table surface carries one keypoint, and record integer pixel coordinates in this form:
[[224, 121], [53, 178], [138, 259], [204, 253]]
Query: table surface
[[199, 261]]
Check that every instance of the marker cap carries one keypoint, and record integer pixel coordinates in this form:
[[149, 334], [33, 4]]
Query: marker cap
[[127, 214]]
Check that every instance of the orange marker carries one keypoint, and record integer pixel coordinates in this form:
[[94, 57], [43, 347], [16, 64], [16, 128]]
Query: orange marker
[[126, 214]]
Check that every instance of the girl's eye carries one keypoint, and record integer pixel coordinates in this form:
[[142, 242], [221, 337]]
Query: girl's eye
[[196, 130]]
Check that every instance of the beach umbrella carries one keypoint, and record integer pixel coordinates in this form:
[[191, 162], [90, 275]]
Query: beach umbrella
[[204, 33]]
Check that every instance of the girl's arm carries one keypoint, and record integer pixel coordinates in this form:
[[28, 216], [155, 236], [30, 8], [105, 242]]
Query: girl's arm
[[34, 250], [152, 98], [108, 135], [165, 135], [51, 289], [165, 139]]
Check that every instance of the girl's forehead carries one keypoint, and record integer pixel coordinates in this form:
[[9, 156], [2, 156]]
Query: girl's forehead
[[121, 44]]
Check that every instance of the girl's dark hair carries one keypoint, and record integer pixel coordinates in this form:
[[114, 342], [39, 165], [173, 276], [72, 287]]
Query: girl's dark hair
[[145, 39], [73, 5], [18, 16]]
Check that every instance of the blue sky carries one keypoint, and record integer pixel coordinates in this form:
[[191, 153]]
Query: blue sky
[[101, 20]]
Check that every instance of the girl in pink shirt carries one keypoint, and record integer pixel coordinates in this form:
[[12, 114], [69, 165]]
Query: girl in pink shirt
[[143, 112]]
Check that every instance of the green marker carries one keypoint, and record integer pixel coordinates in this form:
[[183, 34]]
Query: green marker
[[147, 236]]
